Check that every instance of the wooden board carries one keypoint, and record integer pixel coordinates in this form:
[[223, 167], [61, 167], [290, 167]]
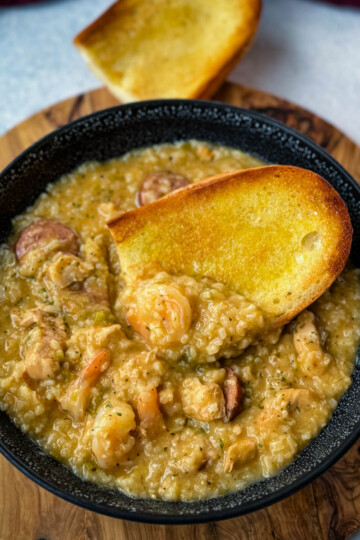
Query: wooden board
[[327, 509]]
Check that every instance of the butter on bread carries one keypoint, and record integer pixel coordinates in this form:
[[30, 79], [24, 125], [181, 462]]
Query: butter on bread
[[146, 49], [278, 235]]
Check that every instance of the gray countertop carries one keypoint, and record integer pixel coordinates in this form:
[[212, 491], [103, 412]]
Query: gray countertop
[[305, 51]]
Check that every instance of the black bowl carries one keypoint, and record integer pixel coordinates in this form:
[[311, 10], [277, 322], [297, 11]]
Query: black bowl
[[111, 133]]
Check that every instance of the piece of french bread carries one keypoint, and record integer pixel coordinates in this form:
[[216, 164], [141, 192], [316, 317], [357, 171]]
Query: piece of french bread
[[146, 49], [279, 235]]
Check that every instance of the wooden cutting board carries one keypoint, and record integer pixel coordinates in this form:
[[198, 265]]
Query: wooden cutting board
[[329, 508]]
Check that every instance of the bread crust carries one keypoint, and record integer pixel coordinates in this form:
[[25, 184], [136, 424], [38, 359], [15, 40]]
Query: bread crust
[[214, 84], [82, 38], [190, 233], [207, 82]]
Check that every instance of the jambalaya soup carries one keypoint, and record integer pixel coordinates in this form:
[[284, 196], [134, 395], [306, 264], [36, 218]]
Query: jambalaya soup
[[172, 388]]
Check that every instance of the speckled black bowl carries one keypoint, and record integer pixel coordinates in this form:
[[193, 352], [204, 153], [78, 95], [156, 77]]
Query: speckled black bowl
[[108, 134]]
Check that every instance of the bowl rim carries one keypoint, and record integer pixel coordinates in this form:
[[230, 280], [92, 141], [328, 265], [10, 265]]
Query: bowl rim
[[210, 515], [178, 102]]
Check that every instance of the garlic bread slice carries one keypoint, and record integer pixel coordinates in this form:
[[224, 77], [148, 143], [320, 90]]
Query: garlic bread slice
[[278, 235], [147, 49]]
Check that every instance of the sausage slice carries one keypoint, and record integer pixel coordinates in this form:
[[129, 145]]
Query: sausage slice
[[234, 394], [158, 184], [43, 231]]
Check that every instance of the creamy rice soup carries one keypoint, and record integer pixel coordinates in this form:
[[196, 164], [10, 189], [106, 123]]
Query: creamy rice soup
[[172, 387]]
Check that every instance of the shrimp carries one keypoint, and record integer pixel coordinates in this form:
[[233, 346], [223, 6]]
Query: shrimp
[[311, 357], [148, 410], [161, 314], [204, 402], [76, 397], [111, 439]]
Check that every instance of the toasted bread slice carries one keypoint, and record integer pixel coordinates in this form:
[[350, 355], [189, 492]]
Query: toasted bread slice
[[278, 235], [146, 49]]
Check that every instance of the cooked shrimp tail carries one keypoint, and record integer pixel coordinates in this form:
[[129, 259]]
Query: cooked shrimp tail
[[148, 410], [77, 395]]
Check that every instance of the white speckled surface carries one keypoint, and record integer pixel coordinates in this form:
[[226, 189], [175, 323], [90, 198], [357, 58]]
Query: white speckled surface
[[304, 51]]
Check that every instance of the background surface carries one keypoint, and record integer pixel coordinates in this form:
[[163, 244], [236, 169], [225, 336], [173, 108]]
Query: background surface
[[304, 51]]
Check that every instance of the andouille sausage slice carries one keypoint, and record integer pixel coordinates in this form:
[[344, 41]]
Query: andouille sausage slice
[[234, 394], [158, 184], [43, 231]]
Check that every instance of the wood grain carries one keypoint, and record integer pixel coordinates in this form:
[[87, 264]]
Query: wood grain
[[327, 509]]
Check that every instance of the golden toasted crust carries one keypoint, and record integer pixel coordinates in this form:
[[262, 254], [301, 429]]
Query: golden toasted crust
[[278, 235], [146, 49], [214, 84]]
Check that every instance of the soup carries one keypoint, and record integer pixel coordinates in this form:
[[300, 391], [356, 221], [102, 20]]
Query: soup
[[174, 388]]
